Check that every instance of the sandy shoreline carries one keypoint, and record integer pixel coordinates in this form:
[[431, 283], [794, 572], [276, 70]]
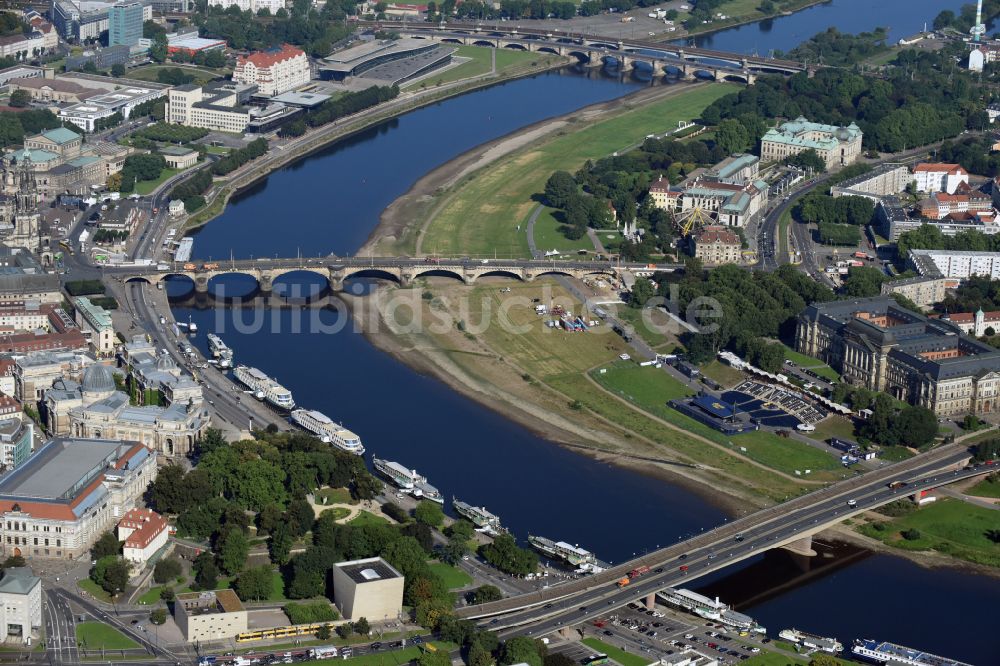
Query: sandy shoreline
[[397, 220]]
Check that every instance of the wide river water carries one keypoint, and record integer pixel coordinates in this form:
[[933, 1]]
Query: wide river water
[[330, 202]]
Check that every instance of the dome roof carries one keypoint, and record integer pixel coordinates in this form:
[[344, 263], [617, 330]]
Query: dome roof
[[842, 133], [165, 362], [98, 379]]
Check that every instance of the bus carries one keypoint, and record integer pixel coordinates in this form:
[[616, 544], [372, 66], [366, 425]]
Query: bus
[[597, 660]]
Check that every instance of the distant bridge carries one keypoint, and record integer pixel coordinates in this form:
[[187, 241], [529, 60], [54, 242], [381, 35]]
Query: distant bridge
[[682, 61], [399, 269]]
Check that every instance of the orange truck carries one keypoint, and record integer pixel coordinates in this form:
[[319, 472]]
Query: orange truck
[[623, 582], [210, 267], [189, 266]]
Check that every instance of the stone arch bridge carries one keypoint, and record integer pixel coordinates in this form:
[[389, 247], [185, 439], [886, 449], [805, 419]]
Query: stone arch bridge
[[402, 270]]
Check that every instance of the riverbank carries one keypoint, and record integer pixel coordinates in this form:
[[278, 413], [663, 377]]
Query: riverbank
[[756, 17], [321, 138]]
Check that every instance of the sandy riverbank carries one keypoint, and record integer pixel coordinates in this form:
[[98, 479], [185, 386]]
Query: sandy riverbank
[[410, 213]]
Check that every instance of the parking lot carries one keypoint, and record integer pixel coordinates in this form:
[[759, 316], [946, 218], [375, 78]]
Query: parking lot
[[664, 632]]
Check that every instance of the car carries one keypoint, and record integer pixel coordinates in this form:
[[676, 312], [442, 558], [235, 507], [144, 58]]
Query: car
[[548, 605], [416, 640], [608, 633], [494, 620], [658, 570], [755, 649], [683, 556], [623, 356], [583, 609]]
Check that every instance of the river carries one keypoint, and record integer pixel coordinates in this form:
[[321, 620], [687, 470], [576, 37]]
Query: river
[[329, 202]]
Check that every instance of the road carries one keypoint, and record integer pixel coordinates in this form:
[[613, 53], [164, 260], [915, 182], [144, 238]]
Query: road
[[577, 601]]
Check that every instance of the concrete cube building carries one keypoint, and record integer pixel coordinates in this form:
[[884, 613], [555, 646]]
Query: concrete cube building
[[370, 588]]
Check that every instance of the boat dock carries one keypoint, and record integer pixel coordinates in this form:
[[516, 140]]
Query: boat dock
[[710, 609]]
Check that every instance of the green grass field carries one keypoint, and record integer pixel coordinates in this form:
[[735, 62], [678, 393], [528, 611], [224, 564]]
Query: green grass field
[[621, 656], [549, 235], [334, 496], [480, 62], [948, 526], [812, 364], [833, 426], [483, 215], [144, 187], [726, 375], [650, 389], [452, 576], [389, 658], [97, 636], [94, 590], [366, 518], [986, 487], [661, 333]]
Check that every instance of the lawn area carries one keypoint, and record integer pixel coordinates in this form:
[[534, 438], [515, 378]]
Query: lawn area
[[94, 590], [812, 364], [452, 576], [202, 74], [549, 235], [150, 596], [483, 215], [895, 453], [726, 375], [390, 657], [948, 526], [661, 333], [480, 62], [773, 659], [650, 389], [988, 487], [833, 426], [277, 587], [334, 496], [339, 512], [621, 656], [366, 518], [97, 635], [144, 187]]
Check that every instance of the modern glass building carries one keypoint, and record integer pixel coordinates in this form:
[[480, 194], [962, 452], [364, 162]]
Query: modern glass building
[[125, 24]]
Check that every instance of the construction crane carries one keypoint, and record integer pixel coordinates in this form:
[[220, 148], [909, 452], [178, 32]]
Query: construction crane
[[693, 218]]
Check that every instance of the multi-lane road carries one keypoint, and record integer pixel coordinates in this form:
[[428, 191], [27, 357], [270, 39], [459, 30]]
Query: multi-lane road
[[549, 610]]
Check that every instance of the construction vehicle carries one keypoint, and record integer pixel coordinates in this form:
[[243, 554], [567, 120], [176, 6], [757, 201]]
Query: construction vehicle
[[622, 582], [210, 267], [638, 571], [189, 266]]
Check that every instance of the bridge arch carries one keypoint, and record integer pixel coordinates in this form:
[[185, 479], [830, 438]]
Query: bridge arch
[[451, 40], [500, 272], [603, 45], [673, 70], [706, 74], [438, 272], [483, 42], [549, 49], [301, 285], [138, 279], [515, 46], [582, 56], [373, 273], [742, 78]]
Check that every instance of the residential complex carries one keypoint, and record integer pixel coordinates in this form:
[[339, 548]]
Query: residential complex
[[924, 291], [274, 71], [836, 146], [717, 245], [69, 492], [883, 180], [250, 5], [956, 264], [369, 588], [938, 177], [965, 202], [882, 346], [17, 438], [210, 616]]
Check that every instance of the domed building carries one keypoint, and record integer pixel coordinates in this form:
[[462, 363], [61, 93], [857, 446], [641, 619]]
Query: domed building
[[95, 408]]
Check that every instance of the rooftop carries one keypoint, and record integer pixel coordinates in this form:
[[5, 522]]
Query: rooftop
[[18, 580], [264, 59], [368, 570], [94, 314], [211, 601], [61, 135], [65, 466]]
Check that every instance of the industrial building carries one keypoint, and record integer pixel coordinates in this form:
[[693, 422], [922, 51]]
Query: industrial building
[[68, 493], [370, 588], [210, 616]]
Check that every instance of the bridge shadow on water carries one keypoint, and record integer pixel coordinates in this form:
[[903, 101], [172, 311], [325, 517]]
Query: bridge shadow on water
[[778, 571]]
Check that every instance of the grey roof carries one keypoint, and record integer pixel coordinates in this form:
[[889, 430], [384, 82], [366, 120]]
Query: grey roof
[[98, 379], [62, 468], [368, 570], [18, 580]]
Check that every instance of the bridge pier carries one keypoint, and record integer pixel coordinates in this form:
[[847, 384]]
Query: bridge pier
[[802, 546], [651, 601], [265, 285], [201, 284]]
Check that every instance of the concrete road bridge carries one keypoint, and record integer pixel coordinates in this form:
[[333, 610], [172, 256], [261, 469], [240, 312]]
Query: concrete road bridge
[[787, 525], [680, 61], [398, 269]]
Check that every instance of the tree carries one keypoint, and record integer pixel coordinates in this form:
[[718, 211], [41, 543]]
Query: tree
[[507, 556], [485, 594], [206, 573], [642, 292], [167, 594], [166, 570], [233, 550], [111, 573], [362, 627], [268, 519], [559, 189], [105, 546], [158, 616], [429, 513], [864, 281], [20, 98], [824, 660], [345, 630], [117, 70], [323, 633], [254, 584], [732, 136], [281, 542], [438, 658], [911, 534], [518, 650]]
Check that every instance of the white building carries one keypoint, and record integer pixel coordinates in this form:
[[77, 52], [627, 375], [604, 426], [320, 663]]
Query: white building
[[939, 177], [95, 323], [274, 71], [215, 108], [69, 493], [956, 264], [370, 588], [144, 532], [250, 5], [210, 616], [20, 604]]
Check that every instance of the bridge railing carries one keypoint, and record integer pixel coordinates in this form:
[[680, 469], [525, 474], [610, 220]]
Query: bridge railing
[[730, 528]]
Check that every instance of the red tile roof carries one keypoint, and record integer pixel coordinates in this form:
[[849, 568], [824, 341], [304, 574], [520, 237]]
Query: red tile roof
[[147, 525], [264, 59], [717, 235], [953, 169]]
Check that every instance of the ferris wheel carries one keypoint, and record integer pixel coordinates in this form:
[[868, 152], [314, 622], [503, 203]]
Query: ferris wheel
[[691, 219]]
